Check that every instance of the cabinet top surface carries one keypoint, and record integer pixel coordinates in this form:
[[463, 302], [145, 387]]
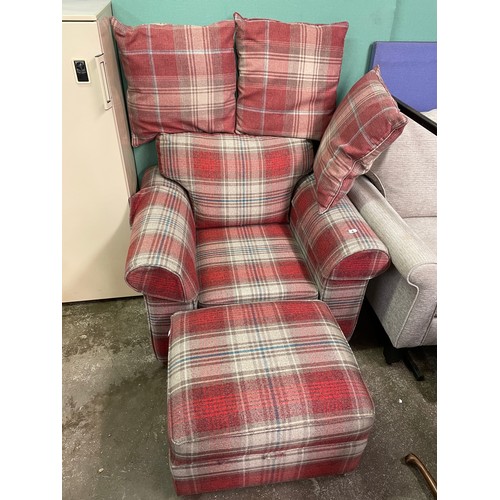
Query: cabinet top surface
[[83, 10]]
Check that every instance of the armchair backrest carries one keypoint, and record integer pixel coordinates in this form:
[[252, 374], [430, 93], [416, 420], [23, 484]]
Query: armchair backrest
[[406, 173], [235, 180]]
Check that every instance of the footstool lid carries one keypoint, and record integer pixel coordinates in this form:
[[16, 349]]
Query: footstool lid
[[259, 378]]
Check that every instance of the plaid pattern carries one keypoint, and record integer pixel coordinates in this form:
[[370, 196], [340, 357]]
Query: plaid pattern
[[159, 312], [152, 178], [260, 393], [288, 76], [339, 244], [344, 298], [366, 122], [251, 264], [161, 255], [343, 252], [235, 180], [257, 469], [180, 77]]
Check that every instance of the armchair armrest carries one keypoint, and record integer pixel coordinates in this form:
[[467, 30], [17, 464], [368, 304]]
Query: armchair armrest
[[161, 260], [411, 256], [339, 244]]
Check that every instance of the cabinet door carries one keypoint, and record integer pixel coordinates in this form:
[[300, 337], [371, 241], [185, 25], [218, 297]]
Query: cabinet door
[[95, 231]]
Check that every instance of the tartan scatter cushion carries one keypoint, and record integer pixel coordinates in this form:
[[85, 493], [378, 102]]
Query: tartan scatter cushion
[[251, 264], [258, 392], [161, 255], [235, 180], [180, 77], [366, 122], [288, 76]]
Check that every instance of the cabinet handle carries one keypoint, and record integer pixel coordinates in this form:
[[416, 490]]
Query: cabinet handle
[[103, 79]]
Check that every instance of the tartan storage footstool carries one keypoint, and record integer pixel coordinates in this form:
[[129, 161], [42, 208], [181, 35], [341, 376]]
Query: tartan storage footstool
[[262, 393]]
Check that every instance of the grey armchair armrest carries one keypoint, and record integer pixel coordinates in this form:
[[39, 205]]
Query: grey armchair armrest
[[404, 297], [408, 251]]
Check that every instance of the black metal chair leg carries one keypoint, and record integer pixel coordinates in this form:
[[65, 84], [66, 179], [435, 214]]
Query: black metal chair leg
[[411, 365], [393, 355]]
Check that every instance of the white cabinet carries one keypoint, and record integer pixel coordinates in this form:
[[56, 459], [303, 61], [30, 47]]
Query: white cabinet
[[98, 168]]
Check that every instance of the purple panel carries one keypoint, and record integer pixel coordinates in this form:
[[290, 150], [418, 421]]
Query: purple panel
[[409, 69]]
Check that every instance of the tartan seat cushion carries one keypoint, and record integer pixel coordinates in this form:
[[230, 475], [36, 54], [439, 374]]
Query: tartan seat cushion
[[180, 77], [250, 264], [235, 180], [288, 76], [268, 380]]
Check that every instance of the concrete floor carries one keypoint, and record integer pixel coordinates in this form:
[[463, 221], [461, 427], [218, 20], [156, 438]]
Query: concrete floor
[[114, 442]]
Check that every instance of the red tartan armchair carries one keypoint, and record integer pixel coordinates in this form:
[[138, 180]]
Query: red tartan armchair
[[244, 206]]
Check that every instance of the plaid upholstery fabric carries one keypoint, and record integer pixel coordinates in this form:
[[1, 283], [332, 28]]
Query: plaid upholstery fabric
[[366, 122], [153, 178], [260, 393], [251, 264], [343, 252], [180, 77], [288, 76], [256, 470], [159, 312], [161, 255], [339, 244], [344, 298], [235, 180]]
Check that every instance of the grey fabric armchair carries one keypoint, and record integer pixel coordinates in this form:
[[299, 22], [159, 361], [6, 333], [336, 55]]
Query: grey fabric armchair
[[397, 198]]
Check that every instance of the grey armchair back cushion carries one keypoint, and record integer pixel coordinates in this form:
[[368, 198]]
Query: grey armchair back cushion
[[406, 168]]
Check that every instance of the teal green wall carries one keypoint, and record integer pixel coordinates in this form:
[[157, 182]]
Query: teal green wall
[[369, 21]]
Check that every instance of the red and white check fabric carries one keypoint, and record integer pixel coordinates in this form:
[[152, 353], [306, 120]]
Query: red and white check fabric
[[260, 469], [339, 244], [344, 298], [251, 264], [288, 76], [161, 255], [342, 251], [235, 180], [180, 77], [153, 178], [262, 392], [366, 123], [159, 312]]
